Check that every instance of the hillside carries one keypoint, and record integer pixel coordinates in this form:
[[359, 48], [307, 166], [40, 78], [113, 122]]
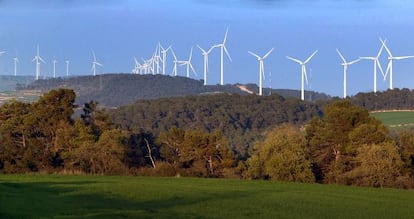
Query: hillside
[[113, 90], [11, 83]]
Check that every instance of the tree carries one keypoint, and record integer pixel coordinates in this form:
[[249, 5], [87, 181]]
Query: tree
[[379, 165], [335, 138], [281, 156], [196, 153]]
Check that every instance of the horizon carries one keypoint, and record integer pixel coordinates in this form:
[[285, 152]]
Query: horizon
[[71, 30]]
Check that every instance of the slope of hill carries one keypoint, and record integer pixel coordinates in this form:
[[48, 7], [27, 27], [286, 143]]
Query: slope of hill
[[113, 90], [11, 83]]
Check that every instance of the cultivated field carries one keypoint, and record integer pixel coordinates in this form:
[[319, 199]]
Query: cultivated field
[[40, 196], [396, 119]]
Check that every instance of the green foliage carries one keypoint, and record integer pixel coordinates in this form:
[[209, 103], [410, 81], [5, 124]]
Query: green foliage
[[40, 196], [335, 138], [196, 153], [281, 156], [379, 165], [242, 119]]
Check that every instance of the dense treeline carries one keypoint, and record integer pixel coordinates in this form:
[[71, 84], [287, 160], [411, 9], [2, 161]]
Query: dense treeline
[[113, 90], [343, 146], [241, 118], [386, 100]]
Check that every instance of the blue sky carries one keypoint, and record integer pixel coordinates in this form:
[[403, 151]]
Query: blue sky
[[118, 30]]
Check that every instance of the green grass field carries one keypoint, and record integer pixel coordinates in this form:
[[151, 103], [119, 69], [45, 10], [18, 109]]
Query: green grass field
[[397, 119], [52, 196]]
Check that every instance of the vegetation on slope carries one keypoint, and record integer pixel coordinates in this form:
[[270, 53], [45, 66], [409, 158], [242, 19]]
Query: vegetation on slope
[[113, 90]]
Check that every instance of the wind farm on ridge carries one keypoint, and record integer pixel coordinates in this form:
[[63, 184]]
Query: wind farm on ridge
[[158, 63]]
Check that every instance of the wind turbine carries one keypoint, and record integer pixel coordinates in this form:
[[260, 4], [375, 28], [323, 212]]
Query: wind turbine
[[376, 63], [346, 64], [54, 68], [390, 61], [67, 68], [304, 76], [261, 68], [95, 63], [38, 59], [175, 63], [188, 64], [16, 60], [164, 57], [223, 50], [205, 55]]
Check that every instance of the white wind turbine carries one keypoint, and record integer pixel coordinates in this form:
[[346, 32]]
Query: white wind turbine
[[95, 63], [346, 64], [188, 64], [390, 61], [164, 57], [261, 68], [16, 60], [304, 76], [38, 59], [376, 63], [223, 50], [67, 68], [54, 68], [174, 73], [205, 55]]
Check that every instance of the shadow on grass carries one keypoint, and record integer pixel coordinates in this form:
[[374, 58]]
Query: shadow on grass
[[83, 199]]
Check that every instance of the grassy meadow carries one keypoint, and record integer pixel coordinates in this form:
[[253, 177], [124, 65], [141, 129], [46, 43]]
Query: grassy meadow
[[55, 196], [396, 119]]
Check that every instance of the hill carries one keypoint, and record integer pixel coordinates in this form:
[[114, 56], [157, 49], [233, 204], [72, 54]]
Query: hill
[[113, 90], [11, 83]]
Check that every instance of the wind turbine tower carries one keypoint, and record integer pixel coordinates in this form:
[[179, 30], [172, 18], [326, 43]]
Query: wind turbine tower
[[16, 60], [304, 76], [223, 50], [188, 64], [391, 58], [95, 63], [261, 68], [376, 63], [174, 73], [54, 68], [346, 64], [205, 55], [67, 68], [164, 57], [38, 59]]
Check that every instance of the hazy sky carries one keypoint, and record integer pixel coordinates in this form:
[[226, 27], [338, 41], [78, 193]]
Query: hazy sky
[[118, 30]]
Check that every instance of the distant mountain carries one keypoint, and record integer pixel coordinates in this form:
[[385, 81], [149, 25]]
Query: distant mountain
[[113, 90], [11, 83]]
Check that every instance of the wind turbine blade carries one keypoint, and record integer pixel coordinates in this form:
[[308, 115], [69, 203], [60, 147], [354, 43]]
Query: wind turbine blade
[[211, 49], [295, 60], [268, 53], [386, 73], [225, 36], [380, 51], [306, 75], [403, 57], [202, 50], [40, 58], [97, 63], [192, 69], [379, 66], [367, 57], [173, 53], [354, 61], [254, 54], [227, 53], [310, 57], [191, 54], [94, 57], [342, 57], [385, 46]]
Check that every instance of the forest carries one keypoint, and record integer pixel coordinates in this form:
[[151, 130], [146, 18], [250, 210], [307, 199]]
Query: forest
[[224, 135], [114, 90]]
